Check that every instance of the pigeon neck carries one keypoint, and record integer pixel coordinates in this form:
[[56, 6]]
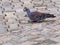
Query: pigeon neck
[[28, 12]]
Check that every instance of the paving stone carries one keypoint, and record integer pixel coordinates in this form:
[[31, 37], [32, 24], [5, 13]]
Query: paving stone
[[26, 43], [38, 4], [8, 9], [57, 3], [15, 1], [6, 4], [0, 4], [7, 44], [19, 10], [57, 27], [13, 27], [5, 38], [20, 13], [0, 0], [1, 13], [27, 4], [1, 42], [13, 42], [36, 0], [17, 5], [55, 0], [3, 30], [25, 0], [49, 41], [57, 6], [54, 10], [5, 0], [1, 18], [10, 15], [49, 5], [11, 21]]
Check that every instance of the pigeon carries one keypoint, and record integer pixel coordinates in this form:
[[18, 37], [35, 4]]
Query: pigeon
[[37, 16]]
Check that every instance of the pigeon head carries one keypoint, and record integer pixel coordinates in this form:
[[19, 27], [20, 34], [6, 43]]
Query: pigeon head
[[26, 9], [50, 16]]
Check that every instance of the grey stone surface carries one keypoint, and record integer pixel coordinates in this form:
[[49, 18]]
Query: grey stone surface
[[15, 28]]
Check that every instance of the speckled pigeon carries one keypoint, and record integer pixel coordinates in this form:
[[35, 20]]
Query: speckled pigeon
[[37, 16]]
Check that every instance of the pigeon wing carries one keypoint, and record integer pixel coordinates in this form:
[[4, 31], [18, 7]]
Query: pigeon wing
[[37, 14]]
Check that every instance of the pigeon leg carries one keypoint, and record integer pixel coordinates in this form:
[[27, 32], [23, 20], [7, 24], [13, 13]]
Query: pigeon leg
[[30, 21]]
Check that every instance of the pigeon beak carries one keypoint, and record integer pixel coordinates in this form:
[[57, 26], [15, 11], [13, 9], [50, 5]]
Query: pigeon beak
[[24, 9]]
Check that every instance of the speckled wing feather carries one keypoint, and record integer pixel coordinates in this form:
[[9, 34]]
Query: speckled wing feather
[[38, 14]]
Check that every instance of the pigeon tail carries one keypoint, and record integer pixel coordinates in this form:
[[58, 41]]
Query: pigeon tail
[[50, 16]]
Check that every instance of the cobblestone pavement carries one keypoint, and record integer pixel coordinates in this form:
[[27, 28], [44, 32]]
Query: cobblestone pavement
[[16, 30]]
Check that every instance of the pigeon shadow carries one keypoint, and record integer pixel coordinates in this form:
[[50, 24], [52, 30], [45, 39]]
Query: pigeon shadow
[[44, 21]]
